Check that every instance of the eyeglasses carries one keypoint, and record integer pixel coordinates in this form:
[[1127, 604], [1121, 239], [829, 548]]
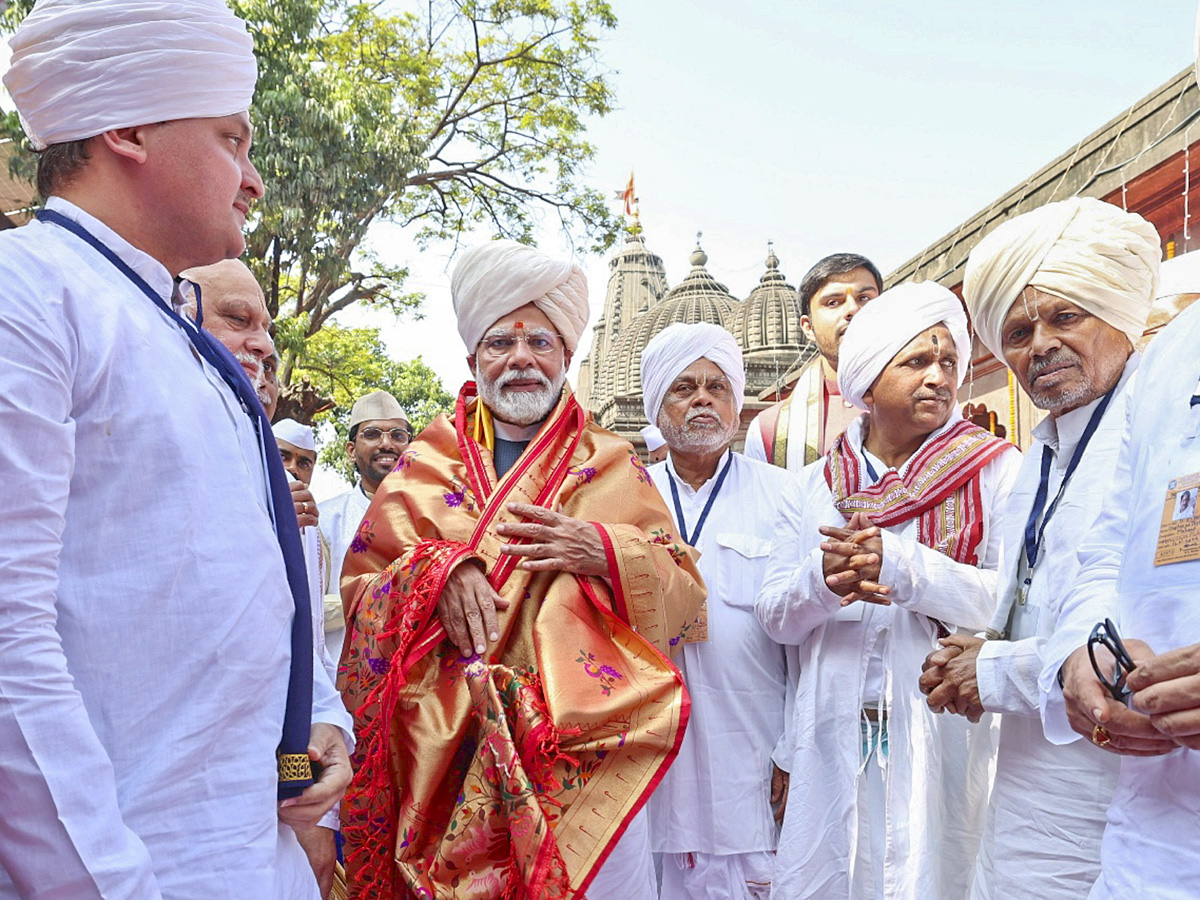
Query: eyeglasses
[[501, 343], [399, 435], [1105, 634]]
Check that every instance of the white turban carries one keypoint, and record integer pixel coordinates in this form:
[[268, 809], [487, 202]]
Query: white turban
[[653, 438], [83, 67], [294, 433], [678, 346], [1180, 275], [886, 325], [1091, 253], [491, 280]]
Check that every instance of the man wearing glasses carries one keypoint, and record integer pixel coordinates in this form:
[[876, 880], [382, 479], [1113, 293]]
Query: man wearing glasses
[[1061, 295], [379, 433], [511, 597]]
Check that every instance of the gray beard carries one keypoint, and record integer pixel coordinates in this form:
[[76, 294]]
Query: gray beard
[[259, 379], [695, 440], [525, 407]]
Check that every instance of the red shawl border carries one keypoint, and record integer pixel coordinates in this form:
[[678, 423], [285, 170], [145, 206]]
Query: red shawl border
[[940, 486], [432, 562]]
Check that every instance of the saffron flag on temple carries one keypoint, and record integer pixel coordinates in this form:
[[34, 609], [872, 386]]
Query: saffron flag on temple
[[627, 195]]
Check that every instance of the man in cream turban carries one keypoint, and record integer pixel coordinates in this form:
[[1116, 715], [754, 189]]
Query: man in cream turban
[[160, 689], [1061, 295], [712, 815], [884, 546], [511, 596]]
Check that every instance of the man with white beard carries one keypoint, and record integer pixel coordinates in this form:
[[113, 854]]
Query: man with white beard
[[510, 597], [712, 815]]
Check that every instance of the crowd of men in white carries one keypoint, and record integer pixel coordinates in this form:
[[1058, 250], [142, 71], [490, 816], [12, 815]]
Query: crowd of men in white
[[910, 624]]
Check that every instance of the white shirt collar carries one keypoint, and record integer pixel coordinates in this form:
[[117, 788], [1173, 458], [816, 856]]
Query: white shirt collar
[[1062, 434], [150, 269], [705, 489]]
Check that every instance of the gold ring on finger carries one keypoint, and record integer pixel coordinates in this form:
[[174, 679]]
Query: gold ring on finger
[[1100, 736]]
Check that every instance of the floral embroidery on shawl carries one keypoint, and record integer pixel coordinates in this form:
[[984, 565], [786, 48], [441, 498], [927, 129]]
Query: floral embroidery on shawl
[[583, 473], [362, 537], [635, 461], [606, 674], [462, 498], [665, 539]]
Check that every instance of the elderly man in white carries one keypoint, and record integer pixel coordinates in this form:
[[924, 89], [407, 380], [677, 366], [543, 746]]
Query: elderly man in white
[[888, 543], [157, 680], [1138, 568], [1061, 294], [711, 816]]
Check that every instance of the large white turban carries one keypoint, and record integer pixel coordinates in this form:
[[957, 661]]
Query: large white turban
[[1091, 253], [886, 325], [83, 67], [678, 346], [491, 280], [294, 433]]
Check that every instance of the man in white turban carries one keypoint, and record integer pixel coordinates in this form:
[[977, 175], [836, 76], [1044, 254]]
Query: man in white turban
[[511, 596], [1060, 295], [711, 817], [158, 687], [656, 444], [884, 546]]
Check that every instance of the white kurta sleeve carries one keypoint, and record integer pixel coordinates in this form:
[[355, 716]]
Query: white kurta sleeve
[[754, 448], [62, 833], [1007, 673], [1093, 597], [928, 582], [794, 599]]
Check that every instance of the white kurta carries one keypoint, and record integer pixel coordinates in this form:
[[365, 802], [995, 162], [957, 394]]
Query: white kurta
[[145, 623], [339, 521], [1151, 845], [937, 768], [1046, 812], [715, 798]]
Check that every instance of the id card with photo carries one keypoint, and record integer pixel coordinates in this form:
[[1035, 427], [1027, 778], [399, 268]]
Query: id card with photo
[[1179, 532]]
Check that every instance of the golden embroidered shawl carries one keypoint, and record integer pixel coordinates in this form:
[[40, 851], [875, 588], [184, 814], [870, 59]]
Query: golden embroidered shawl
[[512, 775]]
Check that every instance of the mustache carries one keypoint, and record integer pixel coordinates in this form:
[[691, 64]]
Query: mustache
[[531, 374], [697, 411], [939, 394], [1057, 358]]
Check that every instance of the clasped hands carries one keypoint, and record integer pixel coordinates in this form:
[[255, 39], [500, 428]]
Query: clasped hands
[[853, 559], [1164, 709], [948, 677], [547, 542]]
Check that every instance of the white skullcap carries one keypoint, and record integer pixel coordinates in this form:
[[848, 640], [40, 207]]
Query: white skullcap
[[653, 438], [678, 346], [83, 67], [376, 405], [1094, 254], [300, 436], [883, 328], [1180, 275], [493, 279]]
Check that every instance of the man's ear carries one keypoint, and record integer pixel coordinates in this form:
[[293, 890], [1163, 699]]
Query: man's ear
[[566, 358], [869, 399], [128, 143], [471, 363], [806, 327]]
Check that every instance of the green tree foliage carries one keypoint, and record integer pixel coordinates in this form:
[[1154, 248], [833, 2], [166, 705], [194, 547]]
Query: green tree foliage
[[343, 364], [439, 116]]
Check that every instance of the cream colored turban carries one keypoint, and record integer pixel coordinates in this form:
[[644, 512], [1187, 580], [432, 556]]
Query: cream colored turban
[[83, 67], [886, 325], [1091, 253], [491, 280], [678, 346]]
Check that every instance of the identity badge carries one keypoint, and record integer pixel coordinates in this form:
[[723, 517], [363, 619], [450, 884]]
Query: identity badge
[[1179, 533]]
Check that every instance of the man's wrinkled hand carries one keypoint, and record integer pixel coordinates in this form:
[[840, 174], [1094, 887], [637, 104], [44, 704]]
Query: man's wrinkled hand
[[853, 559], [327, 747], [467, 608], [320, 846], [1167, 688], [306, 506], [949, 677], [779, 792], [552, 542], [1093, 712]]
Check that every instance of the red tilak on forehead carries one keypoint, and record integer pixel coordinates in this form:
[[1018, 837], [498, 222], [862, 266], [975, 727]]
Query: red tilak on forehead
[[520, 325]]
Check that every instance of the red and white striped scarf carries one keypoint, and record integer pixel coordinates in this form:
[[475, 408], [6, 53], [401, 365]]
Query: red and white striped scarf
[[940, 485]]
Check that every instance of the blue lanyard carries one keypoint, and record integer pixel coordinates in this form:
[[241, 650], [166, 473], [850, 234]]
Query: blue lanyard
[[1034, 534], [695, 536], [298, 715], [870, 468]]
